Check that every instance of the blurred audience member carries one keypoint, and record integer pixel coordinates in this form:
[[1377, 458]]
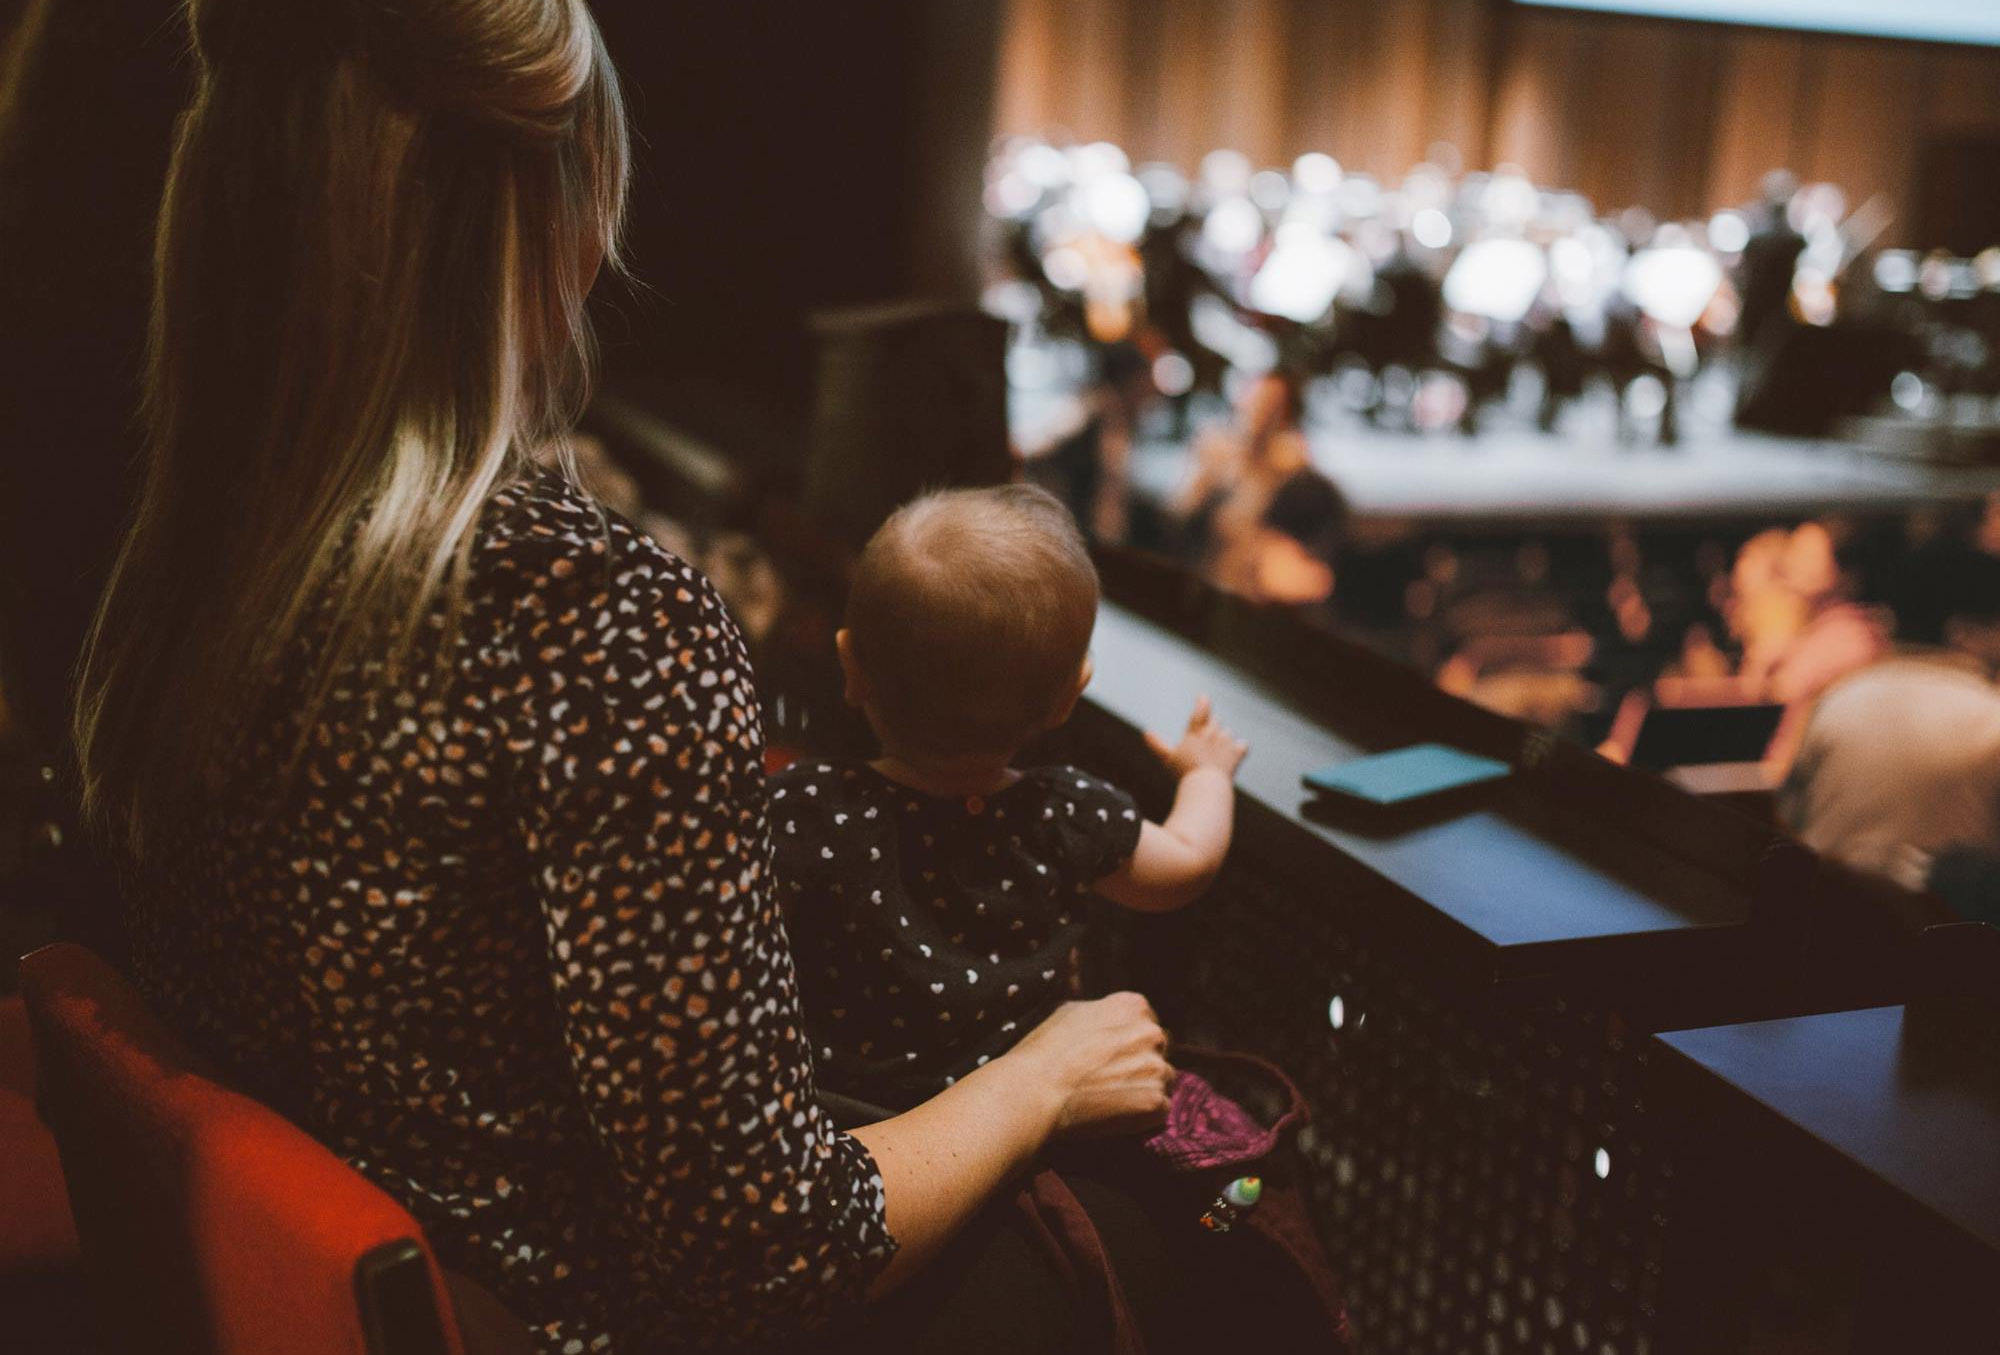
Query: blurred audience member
[[1791, 609], [1899, 765]]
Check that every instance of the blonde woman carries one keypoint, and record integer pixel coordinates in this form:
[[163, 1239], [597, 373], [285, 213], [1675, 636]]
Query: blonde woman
[[440, 791]]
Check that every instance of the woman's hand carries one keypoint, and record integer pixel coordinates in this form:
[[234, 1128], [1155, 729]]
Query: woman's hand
[[1090, 1068], [1106, 1060]]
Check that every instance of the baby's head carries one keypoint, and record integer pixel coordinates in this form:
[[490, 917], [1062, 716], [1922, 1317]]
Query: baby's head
[[968, 625]]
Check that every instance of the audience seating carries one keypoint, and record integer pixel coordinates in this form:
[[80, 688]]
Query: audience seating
[[210, 1224]]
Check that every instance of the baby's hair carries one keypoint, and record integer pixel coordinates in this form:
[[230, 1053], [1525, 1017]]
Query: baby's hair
[[970, 617]]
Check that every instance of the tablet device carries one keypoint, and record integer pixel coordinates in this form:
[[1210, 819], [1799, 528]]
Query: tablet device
[[1407, 774]]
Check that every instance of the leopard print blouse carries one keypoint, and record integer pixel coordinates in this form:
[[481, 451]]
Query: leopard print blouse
[[507, 943]]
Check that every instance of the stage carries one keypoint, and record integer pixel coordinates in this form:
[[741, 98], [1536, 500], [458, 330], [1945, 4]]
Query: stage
[[1520, 477], [1511, 474]]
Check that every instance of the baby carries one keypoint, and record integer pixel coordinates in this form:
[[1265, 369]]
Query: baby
[[935, 896]]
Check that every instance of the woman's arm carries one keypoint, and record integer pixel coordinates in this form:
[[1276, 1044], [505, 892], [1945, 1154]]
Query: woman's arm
[[1091, 1067], [637, 780]]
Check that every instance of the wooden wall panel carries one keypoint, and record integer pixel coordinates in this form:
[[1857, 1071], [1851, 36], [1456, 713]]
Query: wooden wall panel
[[1681, 118]]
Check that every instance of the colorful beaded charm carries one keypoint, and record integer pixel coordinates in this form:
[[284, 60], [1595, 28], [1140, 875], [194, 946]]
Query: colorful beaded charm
[[1236, 1197]]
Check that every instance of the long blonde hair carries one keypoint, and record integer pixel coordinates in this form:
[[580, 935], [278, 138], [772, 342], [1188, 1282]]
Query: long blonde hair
[[379, 225]]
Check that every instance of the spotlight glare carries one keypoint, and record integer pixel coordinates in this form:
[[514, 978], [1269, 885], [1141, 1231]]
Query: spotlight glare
[[1316, 172], [1173, 375], [1496, 279], [1234, 226], [1728, 232], [1432, 228], [1674, 285], [1117, 205]]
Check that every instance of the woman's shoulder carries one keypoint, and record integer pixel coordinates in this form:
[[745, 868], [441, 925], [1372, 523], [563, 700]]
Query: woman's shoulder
[[563, 585], [544, 537]]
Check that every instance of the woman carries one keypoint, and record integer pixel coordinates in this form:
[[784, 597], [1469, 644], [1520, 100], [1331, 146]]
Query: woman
[[441, 792], [1260, 519]]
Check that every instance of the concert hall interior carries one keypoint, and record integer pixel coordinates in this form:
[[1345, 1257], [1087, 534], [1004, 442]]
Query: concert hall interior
[[999, 675]]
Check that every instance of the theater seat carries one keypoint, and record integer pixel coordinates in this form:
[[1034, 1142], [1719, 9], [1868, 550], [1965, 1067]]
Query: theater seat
[[42, 1303], [36, 1233], [209, 1224]]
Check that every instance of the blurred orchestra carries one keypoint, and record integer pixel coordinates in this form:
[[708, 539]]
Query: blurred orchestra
[[1192, 356]]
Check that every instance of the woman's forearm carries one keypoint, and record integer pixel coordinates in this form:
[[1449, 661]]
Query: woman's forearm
[[943, 1160]]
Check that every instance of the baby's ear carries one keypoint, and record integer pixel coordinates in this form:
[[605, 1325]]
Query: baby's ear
[[1067, 707], [855, 688]]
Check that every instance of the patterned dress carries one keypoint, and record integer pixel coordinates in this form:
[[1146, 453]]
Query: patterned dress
[[506, 942]]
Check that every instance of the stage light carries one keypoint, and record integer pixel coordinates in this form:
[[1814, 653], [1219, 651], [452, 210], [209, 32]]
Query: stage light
[[1117, 206], [1302, 276], [1012, 196], [1270, 190], [1646, 397], [1728, 232], [1225, 173], [1173, 375], [1673, 285], [1065, 267], [1602, 1164], [1099, 157], [1012, 300], [1431, 228], [1336, 1013], [1496, 279], [1896, 270], [1510, 198], [1360, 196], [1233, 227], [1316, 172], [1030, 368], [1043, 165], [1907, 390]]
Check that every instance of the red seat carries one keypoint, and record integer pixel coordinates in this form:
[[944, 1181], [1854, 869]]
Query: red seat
[[36, 1234], [208, 1222]]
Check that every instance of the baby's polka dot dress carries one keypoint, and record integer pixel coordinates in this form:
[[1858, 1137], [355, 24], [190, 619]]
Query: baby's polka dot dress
[[933, 932]]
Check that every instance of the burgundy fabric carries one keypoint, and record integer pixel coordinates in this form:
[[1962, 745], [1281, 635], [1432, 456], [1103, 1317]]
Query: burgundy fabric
[[208, 1223], [1077, 1251], [1280, 1217], [36, 1232], [1205, 1129]]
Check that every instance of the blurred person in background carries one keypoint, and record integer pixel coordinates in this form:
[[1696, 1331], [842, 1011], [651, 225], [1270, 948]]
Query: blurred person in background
[[1770, 257], [1254, 512], [1898, 775], [1793, 612]]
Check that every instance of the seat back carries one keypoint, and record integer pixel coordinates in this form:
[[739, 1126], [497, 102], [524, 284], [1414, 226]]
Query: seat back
[[209, 1224]]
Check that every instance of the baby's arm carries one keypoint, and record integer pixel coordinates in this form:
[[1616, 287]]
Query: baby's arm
[[1178, 859]]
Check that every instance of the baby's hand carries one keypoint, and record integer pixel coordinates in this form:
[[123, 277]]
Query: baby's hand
[[1205, 744]]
